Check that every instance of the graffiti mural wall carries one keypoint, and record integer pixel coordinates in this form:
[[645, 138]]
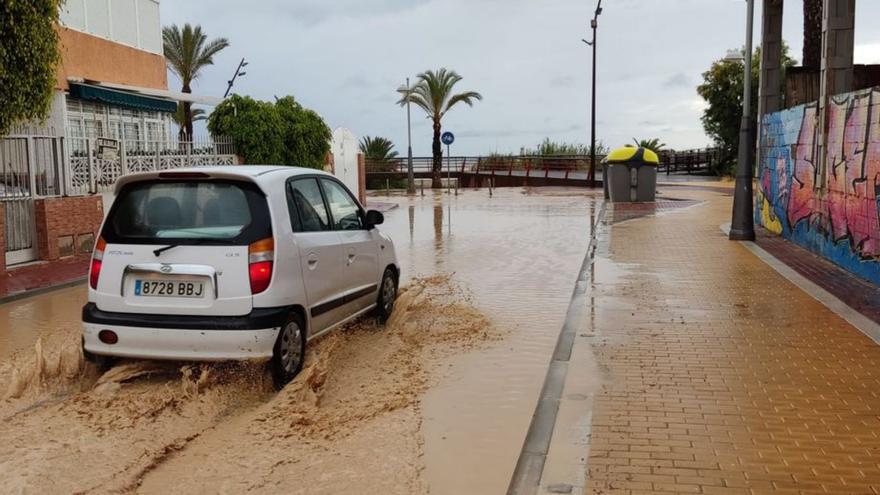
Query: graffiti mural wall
[[834, 213]]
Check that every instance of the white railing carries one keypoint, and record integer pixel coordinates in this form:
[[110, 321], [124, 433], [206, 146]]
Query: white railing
[[94, 164]]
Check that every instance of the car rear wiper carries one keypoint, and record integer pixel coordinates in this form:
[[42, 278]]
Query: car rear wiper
[[161, 250]]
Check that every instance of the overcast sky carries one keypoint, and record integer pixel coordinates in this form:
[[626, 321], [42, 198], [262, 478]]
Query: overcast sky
[[344, 59]]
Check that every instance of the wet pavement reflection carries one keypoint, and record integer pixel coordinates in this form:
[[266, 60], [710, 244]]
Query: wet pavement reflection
[[518, 253]]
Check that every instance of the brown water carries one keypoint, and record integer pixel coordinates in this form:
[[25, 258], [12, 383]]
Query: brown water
[[23, 322], [441, 402], [518, 254]]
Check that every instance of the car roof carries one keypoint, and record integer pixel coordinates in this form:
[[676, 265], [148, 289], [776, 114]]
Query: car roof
[[262, 175]]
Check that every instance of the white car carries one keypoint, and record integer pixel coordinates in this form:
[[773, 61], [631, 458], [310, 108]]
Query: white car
[[233, 263]]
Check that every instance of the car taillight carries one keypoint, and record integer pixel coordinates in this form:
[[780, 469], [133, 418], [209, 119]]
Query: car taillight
[[261, 254], [97, 257]]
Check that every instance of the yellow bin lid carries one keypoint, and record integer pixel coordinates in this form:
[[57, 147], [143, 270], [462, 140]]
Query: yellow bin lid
[[632, 154]]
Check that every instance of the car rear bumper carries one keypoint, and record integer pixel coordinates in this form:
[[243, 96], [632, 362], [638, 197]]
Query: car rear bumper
[[172, 337]]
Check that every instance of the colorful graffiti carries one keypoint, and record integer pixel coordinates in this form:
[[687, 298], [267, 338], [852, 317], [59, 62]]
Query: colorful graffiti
[[835, 212]]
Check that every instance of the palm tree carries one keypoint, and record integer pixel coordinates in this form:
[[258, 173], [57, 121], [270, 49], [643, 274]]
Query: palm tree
[[187, 52], [377, 149], [432, 93], [652, 144], [179, 118]]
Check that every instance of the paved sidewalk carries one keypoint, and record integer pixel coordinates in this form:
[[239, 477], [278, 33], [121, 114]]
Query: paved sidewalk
[[857, 293], [718, 375], [36, 277]]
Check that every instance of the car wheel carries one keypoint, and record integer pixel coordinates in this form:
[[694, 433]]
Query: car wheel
[[289, 352], [103, 363], [387, 295]]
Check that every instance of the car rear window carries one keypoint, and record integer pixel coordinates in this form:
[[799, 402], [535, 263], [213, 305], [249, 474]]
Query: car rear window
[[188, 212]]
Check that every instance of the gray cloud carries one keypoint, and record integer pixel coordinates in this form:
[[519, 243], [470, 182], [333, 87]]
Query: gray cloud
[[565, 81], [344, 58], [677, 80]]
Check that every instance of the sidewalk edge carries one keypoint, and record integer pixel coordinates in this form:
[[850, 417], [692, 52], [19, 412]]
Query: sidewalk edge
[[42, 290], [827, 299]]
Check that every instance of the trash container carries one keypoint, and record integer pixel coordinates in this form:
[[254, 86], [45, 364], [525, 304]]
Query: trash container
[[630, 175]]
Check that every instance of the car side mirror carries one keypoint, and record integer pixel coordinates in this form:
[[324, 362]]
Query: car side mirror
[[373, 218]]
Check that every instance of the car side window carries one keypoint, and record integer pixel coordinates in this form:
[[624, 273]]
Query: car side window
[[344, 210], [308, 213]]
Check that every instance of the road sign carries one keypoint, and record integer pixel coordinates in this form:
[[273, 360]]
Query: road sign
[[447, 138]]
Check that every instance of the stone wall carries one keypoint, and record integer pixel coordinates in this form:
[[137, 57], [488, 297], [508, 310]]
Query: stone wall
[[832, 211]]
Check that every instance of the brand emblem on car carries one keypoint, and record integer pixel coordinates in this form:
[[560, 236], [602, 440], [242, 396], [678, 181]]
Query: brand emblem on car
[[165, 268]]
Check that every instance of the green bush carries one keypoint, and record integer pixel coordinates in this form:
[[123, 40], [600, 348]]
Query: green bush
[[283, 133], [29, 54]]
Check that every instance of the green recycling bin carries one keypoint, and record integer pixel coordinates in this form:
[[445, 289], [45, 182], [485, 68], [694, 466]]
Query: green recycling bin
[[630, 175]]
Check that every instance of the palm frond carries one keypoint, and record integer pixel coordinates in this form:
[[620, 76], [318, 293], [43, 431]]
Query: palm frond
[[377, 148]]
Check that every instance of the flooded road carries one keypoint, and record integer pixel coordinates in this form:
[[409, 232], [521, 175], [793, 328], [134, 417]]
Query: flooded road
[[440, 401], [518, 254]]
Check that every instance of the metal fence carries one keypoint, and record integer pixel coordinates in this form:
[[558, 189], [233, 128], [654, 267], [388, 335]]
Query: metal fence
[[96, 163], [30, 166], [38, 163], [685, 161]]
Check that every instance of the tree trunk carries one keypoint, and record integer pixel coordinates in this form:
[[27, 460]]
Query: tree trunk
[[812, 34], [187, 114], [437, 151]]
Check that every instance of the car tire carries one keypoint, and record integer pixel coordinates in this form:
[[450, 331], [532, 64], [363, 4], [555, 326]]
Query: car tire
[[387, 295], [289, 352], [103, 363]]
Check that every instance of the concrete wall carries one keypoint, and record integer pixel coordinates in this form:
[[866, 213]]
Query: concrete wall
[[132, 22], [833, 212], [90, 57], [67, 226]]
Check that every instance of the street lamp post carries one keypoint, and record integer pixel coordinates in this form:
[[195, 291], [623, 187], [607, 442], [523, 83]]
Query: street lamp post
[[742, 225], [406, 92], [410, 176], [594, 23], [238, 72]]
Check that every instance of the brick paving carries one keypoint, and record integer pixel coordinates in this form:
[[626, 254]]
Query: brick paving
[[42, 274], [858, 294], [719, 376], [619, 212]]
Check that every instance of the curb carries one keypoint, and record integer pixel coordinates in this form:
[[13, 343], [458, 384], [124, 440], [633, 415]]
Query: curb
[[530, 466], [42, 290]]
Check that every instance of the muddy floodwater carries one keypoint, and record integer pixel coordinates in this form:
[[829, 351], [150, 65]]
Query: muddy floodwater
[[439, 400]]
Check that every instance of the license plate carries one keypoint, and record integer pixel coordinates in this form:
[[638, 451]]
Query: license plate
[[169, 288]]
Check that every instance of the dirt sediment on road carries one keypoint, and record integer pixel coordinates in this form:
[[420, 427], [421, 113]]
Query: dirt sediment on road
[[349, 422]]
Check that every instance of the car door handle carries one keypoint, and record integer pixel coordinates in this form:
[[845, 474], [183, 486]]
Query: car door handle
[[312, 261], [351, 257]]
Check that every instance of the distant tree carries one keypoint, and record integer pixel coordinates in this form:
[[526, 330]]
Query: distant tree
[[29, 54], [254, 126], [377, 148], [187, 52], [305, 134], [432, 93], [722, 89], [652, 144], [283, 133], [180, 119]]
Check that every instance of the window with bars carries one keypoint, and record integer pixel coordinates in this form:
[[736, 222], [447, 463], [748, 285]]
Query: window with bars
[[140, 129]]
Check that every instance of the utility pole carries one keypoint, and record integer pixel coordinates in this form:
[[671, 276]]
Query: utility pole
[[594, 23], [238, 72], [742, 225]]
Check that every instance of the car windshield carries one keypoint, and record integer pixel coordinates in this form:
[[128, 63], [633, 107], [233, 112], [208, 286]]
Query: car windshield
[[165, 211]]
